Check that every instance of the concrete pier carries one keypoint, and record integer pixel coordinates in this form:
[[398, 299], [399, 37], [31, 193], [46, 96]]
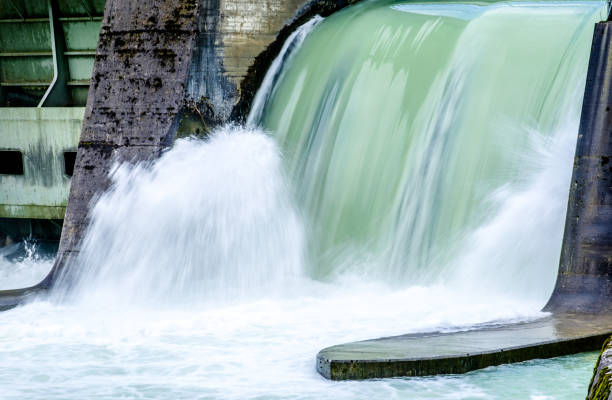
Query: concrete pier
[[459, 352], [136, 94], [584, 282], [238, 41]]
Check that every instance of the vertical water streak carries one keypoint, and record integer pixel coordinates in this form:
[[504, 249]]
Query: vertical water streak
[[282, 61]]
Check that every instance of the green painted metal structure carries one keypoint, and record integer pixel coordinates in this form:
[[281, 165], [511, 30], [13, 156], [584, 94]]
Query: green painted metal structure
[[47, 51], [43, 135]]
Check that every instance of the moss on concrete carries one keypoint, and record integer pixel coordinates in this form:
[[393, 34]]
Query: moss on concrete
[[601, 386]]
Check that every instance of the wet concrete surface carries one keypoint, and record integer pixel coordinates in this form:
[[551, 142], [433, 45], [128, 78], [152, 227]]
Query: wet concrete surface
[[463, 351]]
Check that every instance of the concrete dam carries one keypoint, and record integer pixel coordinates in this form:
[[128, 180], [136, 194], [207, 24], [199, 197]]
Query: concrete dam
[[228, 187]]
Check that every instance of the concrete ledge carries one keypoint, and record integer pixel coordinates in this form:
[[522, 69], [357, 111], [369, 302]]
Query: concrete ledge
[[460, 352], [13, 298], [34, 211]]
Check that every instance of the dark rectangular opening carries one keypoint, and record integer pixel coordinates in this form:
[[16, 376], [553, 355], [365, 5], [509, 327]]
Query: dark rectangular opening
[[69, 159], [11, 162]]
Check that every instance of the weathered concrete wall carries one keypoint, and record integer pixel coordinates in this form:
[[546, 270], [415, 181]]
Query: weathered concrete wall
[[585, 270], [42, 135], [137, 90], [238, 41], [234, 32], [601, 383]]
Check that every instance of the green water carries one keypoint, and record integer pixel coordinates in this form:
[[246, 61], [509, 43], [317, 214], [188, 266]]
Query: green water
[[401, 124]]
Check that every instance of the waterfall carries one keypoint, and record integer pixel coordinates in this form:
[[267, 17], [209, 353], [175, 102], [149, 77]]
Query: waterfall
[[402, 144], [411, 128], [277, 67]]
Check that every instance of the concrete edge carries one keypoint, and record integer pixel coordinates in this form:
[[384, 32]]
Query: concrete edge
[[15, 297], [261, 63], [344, 369]]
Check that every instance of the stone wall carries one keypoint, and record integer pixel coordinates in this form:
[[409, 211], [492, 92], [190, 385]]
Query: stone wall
[[136, 92], [584, 283], [238, 41]]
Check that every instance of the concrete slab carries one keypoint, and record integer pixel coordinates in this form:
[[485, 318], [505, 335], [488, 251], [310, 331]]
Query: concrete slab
[[460, 352], [14, 297]]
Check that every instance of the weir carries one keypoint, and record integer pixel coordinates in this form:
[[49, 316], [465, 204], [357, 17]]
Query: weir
[[146, 90], [581, 301]]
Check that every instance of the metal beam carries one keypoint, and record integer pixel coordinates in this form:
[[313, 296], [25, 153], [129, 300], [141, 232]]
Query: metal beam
[[57, 94], [19, 8], [20, 84], [27, 54], [82, 82], [61, 19], [72, 53]]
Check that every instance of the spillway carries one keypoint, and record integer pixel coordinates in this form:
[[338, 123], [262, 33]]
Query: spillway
[[405, 169], [433, 142]]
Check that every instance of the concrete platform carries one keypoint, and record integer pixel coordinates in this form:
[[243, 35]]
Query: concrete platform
[[14, 297], [460, 352]]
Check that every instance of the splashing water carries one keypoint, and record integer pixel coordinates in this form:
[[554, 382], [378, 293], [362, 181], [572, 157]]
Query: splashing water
[[24, 264], [424, 160], [209, 220]]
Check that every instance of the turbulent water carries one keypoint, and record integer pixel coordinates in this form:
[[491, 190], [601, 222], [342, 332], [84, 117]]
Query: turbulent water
[[211, 220], [406, 168], [426, 129], [24, 264]]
